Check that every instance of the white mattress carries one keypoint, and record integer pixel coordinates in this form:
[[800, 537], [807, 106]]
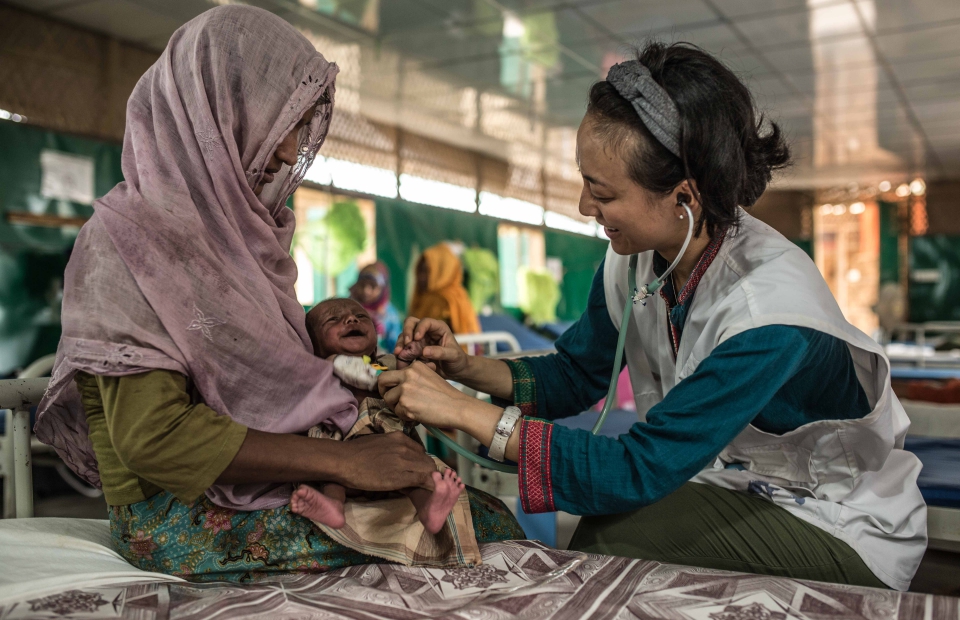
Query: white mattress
[[43, 556]]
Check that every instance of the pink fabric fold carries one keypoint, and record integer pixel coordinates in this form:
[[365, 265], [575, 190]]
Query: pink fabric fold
[[182, 266]]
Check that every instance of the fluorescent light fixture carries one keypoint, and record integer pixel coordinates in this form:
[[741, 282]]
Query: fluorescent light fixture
[[354, 177], [12, 116], [903, 190], [438, 194], [857, 208], [510, 209], [826, 209], [562, 222], [884, 186], [918, 187]]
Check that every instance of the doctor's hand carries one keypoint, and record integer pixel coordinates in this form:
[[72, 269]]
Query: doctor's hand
[[438, 346], [418, 394]]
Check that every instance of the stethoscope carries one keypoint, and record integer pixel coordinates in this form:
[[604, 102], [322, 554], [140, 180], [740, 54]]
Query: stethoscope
[[639, 296]]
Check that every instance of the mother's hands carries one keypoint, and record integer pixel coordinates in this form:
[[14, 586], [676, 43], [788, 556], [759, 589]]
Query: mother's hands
[[386, 462], [418, 394], [437, 343]]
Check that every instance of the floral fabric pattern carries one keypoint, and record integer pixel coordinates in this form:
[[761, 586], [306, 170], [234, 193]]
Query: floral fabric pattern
[[204, 542]]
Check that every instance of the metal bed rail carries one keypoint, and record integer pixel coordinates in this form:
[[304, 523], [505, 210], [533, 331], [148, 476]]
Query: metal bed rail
[[17, 396], [921, 332], [489, 341]]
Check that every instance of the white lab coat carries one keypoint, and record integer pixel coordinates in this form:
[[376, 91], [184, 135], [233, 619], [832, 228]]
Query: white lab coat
[[851, 478]]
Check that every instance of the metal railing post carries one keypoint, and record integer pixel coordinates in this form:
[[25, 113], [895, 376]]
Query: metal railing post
[[23, 463], [9, 502]]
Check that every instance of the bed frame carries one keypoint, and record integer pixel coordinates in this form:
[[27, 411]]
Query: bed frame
[[17, 396]]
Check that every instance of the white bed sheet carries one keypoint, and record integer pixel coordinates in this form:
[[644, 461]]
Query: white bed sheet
[[48, 555]]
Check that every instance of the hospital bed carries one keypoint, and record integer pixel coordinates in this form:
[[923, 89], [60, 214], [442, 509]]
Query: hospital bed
[[914, 345], [934, 436], [56, 568]]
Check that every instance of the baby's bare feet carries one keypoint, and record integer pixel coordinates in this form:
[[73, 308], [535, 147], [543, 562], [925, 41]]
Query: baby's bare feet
[[447, 488], [314, 505]]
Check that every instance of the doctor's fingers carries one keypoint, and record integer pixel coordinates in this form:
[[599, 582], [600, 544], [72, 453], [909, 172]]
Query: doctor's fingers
[[432, 330], [392, 397], [406, 335], [391, 378]]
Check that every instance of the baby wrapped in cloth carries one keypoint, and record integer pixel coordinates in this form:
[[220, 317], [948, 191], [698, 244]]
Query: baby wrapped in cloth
[[416, 527]]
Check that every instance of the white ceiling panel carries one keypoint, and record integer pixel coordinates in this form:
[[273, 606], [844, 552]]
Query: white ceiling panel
[[453, 44], [119, 18]]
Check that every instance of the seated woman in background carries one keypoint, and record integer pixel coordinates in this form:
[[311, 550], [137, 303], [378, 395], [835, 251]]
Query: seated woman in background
[[440, 293], [372, 290]]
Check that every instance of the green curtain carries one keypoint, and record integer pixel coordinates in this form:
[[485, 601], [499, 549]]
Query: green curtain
[[32, 259], [581, 257], [404, 230], [939, 300], [804, 244], [889, 243]]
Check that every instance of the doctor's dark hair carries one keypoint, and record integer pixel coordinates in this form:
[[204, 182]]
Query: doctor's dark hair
[[724, 147]]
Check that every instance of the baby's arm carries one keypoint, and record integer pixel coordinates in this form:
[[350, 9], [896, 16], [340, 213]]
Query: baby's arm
[[355, 371]]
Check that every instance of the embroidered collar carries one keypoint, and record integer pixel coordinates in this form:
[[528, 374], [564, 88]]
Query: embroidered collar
[[677, 305], [660, 265]]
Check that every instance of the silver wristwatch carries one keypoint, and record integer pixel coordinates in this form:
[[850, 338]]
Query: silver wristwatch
[[505, 427]]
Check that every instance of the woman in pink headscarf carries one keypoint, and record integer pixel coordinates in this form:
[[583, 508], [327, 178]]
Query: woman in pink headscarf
[[185, 377]]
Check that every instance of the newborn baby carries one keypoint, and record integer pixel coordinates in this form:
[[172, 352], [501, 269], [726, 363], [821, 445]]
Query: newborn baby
[[343, 332]]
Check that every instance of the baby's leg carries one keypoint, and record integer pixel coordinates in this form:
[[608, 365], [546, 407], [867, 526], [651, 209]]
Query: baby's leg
[[323, 507], [433, 507]]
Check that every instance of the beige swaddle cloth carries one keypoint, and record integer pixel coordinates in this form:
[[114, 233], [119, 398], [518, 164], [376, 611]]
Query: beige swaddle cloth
[[388, 527]]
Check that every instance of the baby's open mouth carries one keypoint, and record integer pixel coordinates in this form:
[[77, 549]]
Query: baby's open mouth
[[354, 333]]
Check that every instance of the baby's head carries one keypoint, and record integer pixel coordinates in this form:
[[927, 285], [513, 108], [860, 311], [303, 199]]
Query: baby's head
[[341, 327]]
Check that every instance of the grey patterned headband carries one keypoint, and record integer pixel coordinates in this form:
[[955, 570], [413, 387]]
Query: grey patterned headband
[[653, 104]]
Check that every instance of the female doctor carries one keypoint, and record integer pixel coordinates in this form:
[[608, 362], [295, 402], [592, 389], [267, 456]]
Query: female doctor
[[770, 441]]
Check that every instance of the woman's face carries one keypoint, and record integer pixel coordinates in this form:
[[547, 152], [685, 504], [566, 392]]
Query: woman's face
[[367, 291], [286, 152], [635, 219]]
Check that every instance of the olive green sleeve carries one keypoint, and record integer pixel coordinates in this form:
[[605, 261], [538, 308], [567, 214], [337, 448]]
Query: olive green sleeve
[[164, 438]]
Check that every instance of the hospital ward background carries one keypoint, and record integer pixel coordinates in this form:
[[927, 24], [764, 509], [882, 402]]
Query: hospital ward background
[[455, 126]]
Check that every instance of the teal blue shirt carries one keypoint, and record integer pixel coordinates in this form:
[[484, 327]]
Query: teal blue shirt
[[777, 378]]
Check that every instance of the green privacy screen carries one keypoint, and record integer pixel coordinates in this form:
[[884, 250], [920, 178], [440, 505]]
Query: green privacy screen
[[32, 258], [934, 290], [404, 230], [581, 256]]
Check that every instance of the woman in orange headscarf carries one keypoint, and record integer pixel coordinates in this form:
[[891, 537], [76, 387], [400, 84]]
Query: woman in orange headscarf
[[440, 293]]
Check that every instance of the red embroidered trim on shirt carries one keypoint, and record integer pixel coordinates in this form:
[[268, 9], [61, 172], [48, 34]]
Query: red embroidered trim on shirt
[[706, 259], [702, 265], [536, 486]]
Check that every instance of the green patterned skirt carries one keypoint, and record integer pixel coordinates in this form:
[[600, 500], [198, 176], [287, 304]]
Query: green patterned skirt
[[204, 542]]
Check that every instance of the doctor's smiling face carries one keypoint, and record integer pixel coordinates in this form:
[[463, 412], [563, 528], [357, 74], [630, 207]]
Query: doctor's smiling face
[[636, 219]]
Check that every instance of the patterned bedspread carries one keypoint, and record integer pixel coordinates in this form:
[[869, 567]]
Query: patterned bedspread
[[517, 580]]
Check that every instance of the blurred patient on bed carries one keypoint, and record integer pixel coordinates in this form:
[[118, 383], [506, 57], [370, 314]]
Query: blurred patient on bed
[[343, 332]]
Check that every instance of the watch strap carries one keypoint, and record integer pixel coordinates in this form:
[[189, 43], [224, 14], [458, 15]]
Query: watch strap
[[505, 427]]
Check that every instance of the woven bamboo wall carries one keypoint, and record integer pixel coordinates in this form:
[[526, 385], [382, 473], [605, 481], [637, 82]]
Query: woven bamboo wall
[[64, 78]]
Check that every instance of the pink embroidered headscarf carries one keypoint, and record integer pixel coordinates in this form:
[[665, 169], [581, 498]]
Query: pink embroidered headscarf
[[182, 267]]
